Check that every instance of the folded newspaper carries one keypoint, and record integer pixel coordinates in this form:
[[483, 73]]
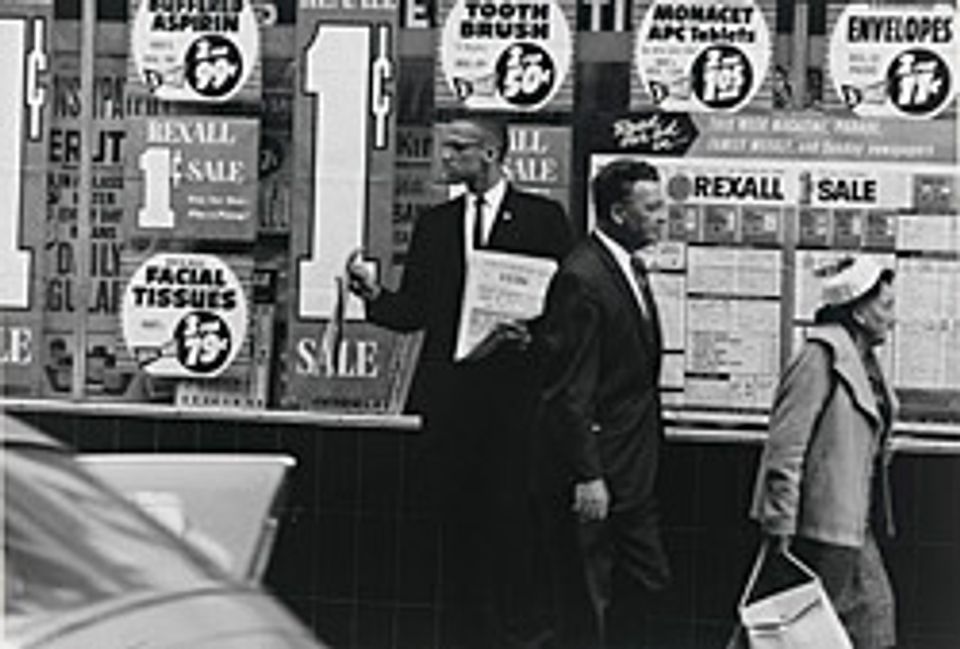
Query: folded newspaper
[[500, 287]]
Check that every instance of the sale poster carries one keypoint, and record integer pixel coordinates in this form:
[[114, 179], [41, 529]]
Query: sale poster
[[538, 159], [62, 301], [193, 177], [25, 49], [344, 153]]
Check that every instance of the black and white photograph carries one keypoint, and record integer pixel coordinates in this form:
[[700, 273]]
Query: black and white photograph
[[480, 324]]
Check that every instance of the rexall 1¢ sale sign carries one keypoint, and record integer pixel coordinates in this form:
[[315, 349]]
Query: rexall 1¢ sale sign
[[184, 315], [193, 177]]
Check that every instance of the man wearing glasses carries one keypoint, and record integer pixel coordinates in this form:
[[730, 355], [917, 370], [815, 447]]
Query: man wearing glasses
[[477, 411]]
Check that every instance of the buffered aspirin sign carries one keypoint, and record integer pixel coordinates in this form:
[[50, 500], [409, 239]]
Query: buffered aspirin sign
[[895, 61], [505, 54], [702, 55], [194, 50]]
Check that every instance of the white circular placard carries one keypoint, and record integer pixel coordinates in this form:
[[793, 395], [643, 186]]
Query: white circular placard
[[505, 55], [895, 61], [195, 50], [702, 55], [184, 315]]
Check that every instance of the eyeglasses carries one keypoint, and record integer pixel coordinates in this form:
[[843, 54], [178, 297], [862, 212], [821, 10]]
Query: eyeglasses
[[459, 146]]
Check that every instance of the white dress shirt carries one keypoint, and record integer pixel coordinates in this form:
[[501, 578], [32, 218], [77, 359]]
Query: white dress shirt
[[622, 257], [492, 198]]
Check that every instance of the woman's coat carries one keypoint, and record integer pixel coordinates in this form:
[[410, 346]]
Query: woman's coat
[[825, 431]]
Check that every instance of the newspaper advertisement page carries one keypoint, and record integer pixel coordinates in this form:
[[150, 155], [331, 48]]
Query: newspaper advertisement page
[[500, 288]]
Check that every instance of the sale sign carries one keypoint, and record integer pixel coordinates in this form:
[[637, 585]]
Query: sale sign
[[538, 159], [346, 138], [184, 315], [195, 50], [24, 132], [194, 176]]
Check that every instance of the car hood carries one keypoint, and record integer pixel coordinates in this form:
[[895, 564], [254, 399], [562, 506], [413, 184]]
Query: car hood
[[205, 619]]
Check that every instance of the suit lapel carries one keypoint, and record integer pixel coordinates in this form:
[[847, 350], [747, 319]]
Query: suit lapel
[[504, 228], [649, 329], [457, 223]]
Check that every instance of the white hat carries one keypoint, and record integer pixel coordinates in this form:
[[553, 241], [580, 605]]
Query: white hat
[[851, 278]]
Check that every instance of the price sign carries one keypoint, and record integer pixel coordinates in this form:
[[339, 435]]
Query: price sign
[[24, 127], [184, 315], [195, 51], [203, 341], [502, 55], [702, 56], [896, 61], [345, 143]]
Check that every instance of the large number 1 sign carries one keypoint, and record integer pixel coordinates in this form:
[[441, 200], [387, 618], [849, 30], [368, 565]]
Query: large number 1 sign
[[24, 46], [344, 152], [347, 79]]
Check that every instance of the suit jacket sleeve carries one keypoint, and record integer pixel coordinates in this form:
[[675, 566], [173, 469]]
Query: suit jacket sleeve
[[405, 308], [558, 237], [571, 341], [800, 398]]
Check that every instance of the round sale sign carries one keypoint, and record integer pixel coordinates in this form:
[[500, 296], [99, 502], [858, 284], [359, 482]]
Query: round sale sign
[[506, 55], [184, 315], [895, 61], [194, 50], [702, 55]]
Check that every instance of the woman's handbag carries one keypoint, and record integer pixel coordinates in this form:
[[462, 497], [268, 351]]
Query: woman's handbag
[[799, 616]]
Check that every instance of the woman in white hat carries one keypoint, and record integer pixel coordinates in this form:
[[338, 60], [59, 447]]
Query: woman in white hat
[[822, 485]]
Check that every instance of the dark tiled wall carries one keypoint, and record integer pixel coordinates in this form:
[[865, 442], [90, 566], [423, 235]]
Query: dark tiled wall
[[357, 556]]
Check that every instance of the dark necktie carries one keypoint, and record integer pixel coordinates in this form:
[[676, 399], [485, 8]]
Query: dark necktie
[[649, 310], [648, 306], [478, 203]]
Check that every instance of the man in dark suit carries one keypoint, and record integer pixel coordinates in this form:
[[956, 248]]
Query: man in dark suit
[[601, 428], [477, 411]]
